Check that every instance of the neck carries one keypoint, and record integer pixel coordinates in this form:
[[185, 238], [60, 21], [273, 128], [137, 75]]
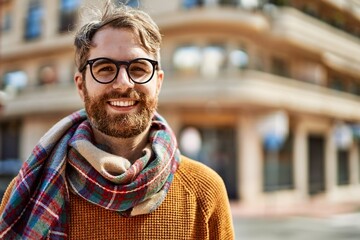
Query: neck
[[129, 148]]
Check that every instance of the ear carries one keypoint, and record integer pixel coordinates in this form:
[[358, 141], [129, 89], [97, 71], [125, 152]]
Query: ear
[[160, 78], [78, 79]]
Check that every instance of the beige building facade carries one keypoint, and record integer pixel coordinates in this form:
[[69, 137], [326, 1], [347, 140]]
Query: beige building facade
[[267, 93]]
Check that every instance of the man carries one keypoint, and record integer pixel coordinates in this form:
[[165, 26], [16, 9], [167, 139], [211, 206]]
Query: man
[[113, 170]]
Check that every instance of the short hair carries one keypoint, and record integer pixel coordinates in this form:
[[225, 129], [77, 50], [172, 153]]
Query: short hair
[[118, 17]]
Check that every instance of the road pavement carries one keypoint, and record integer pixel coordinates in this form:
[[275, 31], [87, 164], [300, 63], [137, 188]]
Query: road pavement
[[337, 227]]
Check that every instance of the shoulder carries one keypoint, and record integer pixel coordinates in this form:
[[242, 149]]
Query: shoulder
[[193, 170], [200, 180]]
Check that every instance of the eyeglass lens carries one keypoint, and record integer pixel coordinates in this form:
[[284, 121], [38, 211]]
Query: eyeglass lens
[[140, 70]]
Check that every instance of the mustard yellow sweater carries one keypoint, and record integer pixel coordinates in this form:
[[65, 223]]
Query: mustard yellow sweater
[[196, 207]]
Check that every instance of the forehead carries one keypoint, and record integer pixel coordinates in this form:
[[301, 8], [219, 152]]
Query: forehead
[[117, 43]]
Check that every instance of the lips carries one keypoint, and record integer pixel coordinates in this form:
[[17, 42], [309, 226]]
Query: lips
[[122, 103]]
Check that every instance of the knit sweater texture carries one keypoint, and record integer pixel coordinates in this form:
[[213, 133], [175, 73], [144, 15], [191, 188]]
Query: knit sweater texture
[[196, 207]]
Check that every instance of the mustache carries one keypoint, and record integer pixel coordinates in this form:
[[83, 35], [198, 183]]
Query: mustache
[[130, 93]]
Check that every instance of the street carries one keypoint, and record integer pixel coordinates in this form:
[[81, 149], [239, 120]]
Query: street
[[338, 227]]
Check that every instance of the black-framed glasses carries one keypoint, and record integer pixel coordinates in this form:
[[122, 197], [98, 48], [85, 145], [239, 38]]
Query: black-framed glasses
[[106, 70]]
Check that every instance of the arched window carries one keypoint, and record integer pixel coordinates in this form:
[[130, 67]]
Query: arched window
[[187, 59], [207, 61]]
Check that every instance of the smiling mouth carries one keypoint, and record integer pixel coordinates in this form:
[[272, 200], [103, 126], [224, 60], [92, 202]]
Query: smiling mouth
[[122, 103]]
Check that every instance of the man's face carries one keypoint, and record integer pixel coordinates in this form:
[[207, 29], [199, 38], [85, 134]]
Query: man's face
[[121, 108]]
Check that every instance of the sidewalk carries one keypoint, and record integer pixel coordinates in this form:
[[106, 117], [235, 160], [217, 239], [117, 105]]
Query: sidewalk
[[297, 228], [312, 221], [313, 209]]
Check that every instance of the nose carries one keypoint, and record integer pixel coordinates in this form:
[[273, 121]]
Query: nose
[[122, 80]]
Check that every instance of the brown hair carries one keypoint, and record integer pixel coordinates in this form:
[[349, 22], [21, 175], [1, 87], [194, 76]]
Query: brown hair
[[118, 17]]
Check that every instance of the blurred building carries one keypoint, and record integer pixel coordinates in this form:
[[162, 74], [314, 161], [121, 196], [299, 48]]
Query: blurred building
[[266, 92]]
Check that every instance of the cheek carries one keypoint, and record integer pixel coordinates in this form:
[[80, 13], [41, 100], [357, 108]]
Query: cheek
[[93, 89], [148, 89]]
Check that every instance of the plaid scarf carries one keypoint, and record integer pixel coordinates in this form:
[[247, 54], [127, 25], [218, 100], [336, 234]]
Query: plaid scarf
[[38, 205]]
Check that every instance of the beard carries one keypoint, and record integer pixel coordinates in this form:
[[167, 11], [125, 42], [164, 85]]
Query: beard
[[124, 125]]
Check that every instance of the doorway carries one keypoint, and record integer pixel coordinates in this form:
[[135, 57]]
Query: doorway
[[216, 147], [316, 164]]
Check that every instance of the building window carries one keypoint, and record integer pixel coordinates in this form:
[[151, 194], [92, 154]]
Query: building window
[[337, 20], [280, 66], [187, 59], [239, 58], [131, 3], [14, 81], [343, 176], [259, 61], [212, 61], [9, 152], [250, 4], [311, 10], [6, 22], [279, 2], [229, 2], [336, 83], [207, 61], [354, 87], [278, 167], [33, 25], [68, 15], [216, 148], [192, 3], [10, 139]]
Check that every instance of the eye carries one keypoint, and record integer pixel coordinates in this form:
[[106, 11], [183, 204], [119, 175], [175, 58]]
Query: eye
[[140, 67], [106, 68], [103, 67], [137, 69]]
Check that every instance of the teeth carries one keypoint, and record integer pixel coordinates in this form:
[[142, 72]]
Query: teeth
[[122, 103]]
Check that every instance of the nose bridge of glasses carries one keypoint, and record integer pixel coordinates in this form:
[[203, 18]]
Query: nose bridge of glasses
[[125, 73], [122, 63]]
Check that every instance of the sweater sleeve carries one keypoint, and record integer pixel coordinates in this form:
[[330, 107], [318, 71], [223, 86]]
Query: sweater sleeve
[[6, 196], [220, 219], [212, 196]]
